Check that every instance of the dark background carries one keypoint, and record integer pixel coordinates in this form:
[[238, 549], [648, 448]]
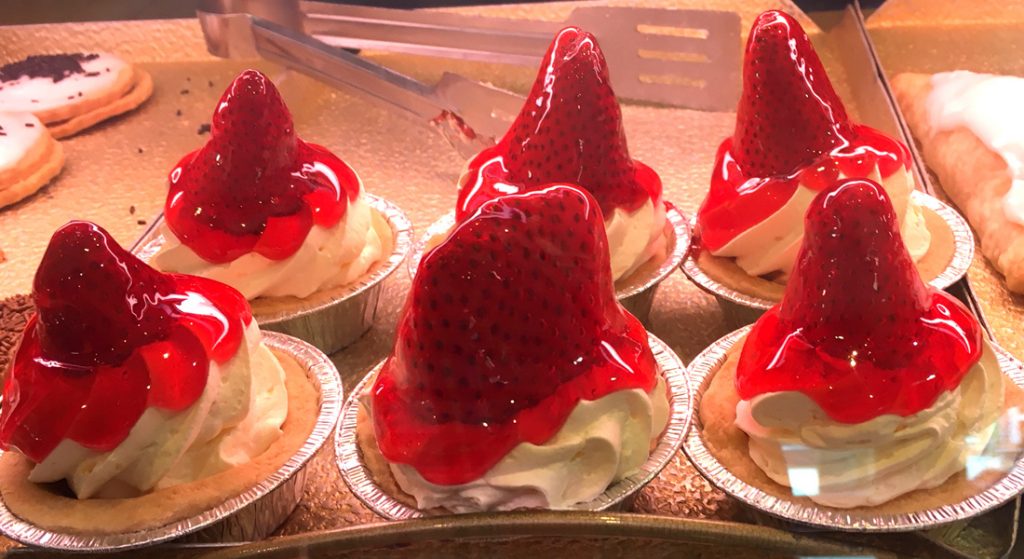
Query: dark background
[[14, 12]]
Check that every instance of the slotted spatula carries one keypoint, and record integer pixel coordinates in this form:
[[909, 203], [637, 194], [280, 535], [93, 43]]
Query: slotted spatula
[[686, 58]]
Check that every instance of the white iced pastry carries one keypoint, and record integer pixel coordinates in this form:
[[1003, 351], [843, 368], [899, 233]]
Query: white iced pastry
[[328, 257], [772, 245], [23, 141], [99, 76], [990, 107], [601, 442], [864, 464], [236, 418]]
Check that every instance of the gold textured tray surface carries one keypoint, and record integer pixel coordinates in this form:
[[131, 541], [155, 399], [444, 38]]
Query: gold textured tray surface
[[107, 175]]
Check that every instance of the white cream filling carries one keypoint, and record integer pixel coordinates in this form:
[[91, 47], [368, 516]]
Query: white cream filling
[[864, 464], [601, 442], [772, 245], [36, 95], [328, 257], [237, 416], [634, 238], [989, 106]]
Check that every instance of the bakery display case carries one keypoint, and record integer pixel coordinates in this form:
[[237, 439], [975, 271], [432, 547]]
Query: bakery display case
[[265, 296]]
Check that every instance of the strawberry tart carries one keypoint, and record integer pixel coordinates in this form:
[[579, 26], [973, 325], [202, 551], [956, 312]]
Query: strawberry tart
[[138, 398], [793, 138], [285, 222], [516, 380], [864, 387], [570, 131]]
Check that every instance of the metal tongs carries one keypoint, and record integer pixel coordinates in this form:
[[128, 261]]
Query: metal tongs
[[468, 114]]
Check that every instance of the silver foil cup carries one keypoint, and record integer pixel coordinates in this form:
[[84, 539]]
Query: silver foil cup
[[360, 481], [337, 322], [253, 515], [704, 367], [740, 308], [637, 297]]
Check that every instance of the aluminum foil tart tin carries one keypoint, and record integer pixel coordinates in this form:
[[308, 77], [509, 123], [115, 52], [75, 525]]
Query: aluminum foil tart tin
[[336, 322], [740, 308], [254, 514], [359, 479], [637, 296], [704, 367]]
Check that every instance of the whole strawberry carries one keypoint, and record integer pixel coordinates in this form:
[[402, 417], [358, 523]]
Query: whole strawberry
[[570, 131], [255, 186], [509, 323], [857, 330]]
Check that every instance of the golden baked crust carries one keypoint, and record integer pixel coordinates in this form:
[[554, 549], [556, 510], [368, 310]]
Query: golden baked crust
[[729, 445], [268, 306], [974, 177], [42, 506], [37, 170], [113, 103], [725, 271]]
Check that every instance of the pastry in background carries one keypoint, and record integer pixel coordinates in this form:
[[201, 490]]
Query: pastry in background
[[29, 156], [793, 138], [71, 92], [273, 216], [971, 129]]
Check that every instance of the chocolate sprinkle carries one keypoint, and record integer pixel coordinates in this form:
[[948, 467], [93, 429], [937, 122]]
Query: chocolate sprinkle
[[177, 112], [204, 128], [139, 150], [14, 313], [131, 210], [53, 66], [30, 125], [184, 92], [141, 222], [209, 83]]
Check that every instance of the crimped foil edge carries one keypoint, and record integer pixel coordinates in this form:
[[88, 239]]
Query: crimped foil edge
[[318, 368], [680, 228], [701, 371], [361, 482], [963, 254]]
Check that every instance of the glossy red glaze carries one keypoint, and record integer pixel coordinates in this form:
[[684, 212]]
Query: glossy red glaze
[[111, 337], [791, 129], [569, 131], [858, 331], [255, 186], [509, 324]]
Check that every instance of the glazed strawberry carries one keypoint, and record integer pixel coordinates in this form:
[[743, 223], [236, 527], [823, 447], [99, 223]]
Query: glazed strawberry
[[858, 331], [111, 337], [789, 115], [255, 186], [570, 131], [791, 130], [509, 323]]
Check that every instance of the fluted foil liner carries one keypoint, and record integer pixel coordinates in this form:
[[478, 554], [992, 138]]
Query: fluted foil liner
[[363, 486], [251, 515], [752, 307], [335, 323], [637, 297], [701, 371]]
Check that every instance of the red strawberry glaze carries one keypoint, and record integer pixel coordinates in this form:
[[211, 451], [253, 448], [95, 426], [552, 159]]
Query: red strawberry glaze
[[791, 129], [510, 323], [255, 186], [857, 330], [569, 131], [111, 337]]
